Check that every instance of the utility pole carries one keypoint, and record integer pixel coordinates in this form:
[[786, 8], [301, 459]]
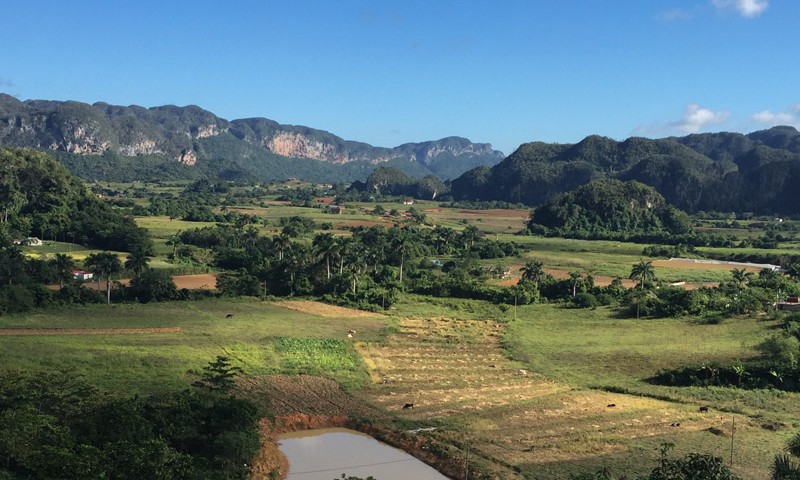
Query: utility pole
[[733, 431]]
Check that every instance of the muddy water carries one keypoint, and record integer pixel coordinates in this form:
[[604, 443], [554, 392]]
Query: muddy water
[[328, 453]]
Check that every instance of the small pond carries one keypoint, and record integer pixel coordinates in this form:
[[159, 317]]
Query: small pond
[[328, 453]]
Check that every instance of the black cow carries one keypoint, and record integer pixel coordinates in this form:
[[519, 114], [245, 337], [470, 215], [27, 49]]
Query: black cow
[[408, 406]]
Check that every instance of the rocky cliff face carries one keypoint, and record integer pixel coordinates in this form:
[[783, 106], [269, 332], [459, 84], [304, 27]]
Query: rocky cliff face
[[179, 134]]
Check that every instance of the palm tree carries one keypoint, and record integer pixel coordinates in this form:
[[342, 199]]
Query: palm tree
[[325, 243], [644, 273], [783, 468], [357, 264], [793, 271], [104, 264], [576, 279], [741, 277], [282, 242], [339, 248], [136, 262], [64, 264], [534, 272]]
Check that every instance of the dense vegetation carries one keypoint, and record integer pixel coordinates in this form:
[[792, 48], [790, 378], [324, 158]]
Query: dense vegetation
[[704, 172], [610, 209], [38, 197], [56, 425]]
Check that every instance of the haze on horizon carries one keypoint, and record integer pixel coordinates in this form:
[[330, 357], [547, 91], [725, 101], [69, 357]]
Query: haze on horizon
[[388, 73]]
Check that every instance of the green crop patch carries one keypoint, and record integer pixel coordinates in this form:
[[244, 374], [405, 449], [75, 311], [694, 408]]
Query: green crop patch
[[315, 356]]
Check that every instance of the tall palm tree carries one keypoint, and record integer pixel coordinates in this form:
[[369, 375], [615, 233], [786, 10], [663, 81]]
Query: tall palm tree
[[533, 271], [282, 242], [104, 264], [64, 264], [324, 244], [341, 244], [644, 273], [576, 279], [356, 263]]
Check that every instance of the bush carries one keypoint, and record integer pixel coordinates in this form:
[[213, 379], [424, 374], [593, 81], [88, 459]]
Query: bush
[[584, 300]]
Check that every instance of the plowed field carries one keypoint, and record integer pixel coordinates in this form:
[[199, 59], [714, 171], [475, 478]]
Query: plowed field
[[454, 371]]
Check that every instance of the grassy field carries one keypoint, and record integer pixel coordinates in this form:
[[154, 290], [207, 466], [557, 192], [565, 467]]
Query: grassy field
[[148, 362], [458, 361]]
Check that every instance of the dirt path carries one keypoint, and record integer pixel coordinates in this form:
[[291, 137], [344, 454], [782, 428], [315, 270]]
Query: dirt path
[[86, 331]]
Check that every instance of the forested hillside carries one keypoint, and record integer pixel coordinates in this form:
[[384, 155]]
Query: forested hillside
[[117, 143], [757, 172], [38, 197]]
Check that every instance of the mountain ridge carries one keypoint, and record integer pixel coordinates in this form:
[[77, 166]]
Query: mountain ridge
[[181, 134], [754, 172]]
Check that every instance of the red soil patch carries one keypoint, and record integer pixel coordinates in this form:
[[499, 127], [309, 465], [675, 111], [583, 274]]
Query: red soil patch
[[701, 266], [207, 281], [324, 200], [202, 281], [86, 331]]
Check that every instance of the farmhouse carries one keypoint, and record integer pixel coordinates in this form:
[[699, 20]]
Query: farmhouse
[[82, 275], [335, 209], [31, 242]]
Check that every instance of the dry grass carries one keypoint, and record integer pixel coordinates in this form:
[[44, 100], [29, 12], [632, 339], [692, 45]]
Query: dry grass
[[323, 309], [454, 371]]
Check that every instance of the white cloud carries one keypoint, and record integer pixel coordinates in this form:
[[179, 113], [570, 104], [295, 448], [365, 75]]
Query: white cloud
[[746, 8], [790, 117], [696, 118]]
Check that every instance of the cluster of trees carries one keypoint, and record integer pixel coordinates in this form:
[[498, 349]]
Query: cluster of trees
[[610, 209], [394, 182], [57, 425], [23, 280], [367, 268]]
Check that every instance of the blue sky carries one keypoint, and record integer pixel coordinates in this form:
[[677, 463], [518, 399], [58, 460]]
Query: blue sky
[[389, 72]]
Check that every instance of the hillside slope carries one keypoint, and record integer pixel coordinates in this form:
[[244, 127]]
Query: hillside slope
[[757, 172], [187, 142]]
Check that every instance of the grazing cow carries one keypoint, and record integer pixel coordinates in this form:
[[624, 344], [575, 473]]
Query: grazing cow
[[703, 409], [230, 315], [351, 332], [408, 406], [492, 365], [676, 424], [349, 335], [522, 371], [611, 405]]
